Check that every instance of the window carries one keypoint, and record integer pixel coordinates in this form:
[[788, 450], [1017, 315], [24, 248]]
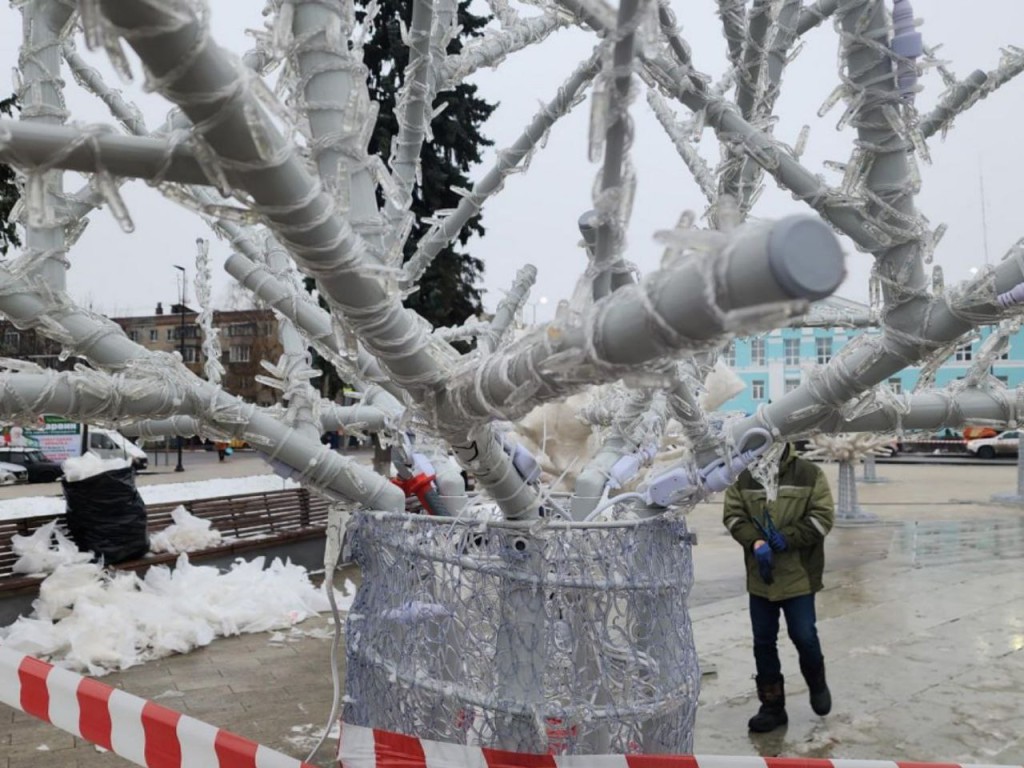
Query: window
[[190, 354], [757, 389], [792, 384], [154, 334], [191, 332], [757, 351], [964, 354], [242, 329], [12, 338], [133, 335], [239, 354], [170, 334], [823, 347], [101, 442], [1004, 379], [896, 385], [1005, 355], [791, 351], [729, 354]]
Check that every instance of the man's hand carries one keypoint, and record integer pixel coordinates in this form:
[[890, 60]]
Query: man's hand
[[777, 541], [763, 553]]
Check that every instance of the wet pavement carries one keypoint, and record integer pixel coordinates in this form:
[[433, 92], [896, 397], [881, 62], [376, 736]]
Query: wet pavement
[[921, 621]]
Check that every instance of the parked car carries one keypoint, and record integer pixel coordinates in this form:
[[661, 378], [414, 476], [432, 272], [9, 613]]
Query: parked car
[[40, 469], [12, 473], [1003, 444]]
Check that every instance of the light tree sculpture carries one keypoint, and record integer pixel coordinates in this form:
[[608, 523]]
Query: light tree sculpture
[[580, 624]]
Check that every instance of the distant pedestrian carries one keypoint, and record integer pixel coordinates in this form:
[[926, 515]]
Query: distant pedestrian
[[784, 551], [222, 451]]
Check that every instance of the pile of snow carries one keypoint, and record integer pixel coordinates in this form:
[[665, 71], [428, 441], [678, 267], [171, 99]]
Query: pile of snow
[[91, 620], [188, 533], [89, 465], [43, 551], [31, 506]]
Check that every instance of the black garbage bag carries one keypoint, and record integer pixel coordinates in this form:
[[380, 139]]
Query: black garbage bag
[[106, 516]]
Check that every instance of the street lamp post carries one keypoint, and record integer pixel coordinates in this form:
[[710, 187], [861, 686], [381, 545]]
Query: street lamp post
[[181, 348]]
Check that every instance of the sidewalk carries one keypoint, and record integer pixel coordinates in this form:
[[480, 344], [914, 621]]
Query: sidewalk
[[922, 623]]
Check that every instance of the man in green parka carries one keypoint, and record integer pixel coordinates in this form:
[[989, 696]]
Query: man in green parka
[[784, 550]]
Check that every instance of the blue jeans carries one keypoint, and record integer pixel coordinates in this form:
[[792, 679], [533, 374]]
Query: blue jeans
[[800, 623]]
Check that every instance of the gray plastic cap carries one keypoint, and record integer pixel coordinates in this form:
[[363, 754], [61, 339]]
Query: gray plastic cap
[[805, 257]]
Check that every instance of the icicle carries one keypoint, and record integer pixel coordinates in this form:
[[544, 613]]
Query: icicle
[[801, 142], [35, 199], [112, 196], [396, 195], [598, 121]]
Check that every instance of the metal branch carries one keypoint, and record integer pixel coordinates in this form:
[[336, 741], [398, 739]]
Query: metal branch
[[129, 115], [166, 388], [964, 95], [616, 177], [446, 230], [331, 91], [814, 14], [97, 149], [495, 46], [687, 151], [734, 18], [413, 107], [509, 307], [40, 92], [689, 305]]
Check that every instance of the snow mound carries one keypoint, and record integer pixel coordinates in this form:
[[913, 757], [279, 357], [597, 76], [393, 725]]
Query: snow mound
[[95, 621], [31, 506], [188, 533], [90, 465], [37, 555]]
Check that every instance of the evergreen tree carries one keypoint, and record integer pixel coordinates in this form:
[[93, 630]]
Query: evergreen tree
[[8, 190], [448, 292]]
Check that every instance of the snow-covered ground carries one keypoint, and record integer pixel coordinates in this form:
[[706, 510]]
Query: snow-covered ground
[[30, 506]]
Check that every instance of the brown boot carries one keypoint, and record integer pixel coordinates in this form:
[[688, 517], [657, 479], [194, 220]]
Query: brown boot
[[821, 697], [772, 695]]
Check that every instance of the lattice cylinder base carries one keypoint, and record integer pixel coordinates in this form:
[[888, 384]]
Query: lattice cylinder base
[[564, 638]]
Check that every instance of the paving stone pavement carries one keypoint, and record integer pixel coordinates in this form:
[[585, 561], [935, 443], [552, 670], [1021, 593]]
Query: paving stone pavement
[[922, 624]]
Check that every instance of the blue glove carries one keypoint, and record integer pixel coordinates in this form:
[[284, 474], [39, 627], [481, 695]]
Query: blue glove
[[772, 534], [776, 540], [763, 553]]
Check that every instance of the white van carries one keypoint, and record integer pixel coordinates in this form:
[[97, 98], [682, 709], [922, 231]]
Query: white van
[[111, 444]]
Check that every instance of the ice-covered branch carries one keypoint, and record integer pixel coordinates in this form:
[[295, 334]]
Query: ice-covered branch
[[448, 228], [614, 201], [212, 366], [689, 305], [156, 384], [814, 14], [96, 149], [129, 115], [734, 18], [471, 330], [914, 331], [632, 443], [760, 82], [681, 141], [40, 92], [494, 46], [413, 107], [989, 406], [331, 91], [963, 95], [510, 306]]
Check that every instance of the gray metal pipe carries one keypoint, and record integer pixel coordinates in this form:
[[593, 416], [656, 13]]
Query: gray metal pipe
[[794, 258], [33, 146]]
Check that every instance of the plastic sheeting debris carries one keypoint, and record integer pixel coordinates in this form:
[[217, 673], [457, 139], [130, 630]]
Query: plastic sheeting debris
[[188, 533], [37, 554]]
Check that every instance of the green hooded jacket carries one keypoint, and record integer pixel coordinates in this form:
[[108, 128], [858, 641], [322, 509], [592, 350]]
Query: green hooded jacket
[[803, 512]]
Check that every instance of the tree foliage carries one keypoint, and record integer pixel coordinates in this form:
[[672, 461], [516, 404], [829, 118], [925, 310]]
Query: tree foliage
[[8, 190]]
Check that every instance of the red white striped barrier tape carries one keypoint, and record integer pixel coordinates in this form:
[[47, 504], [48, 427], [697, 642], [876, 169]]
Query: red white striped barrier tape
[[145, 733], [370, 748]]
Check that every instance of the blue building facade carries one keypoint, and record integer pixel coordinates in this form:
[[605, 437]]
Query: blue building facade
[[775, 363]]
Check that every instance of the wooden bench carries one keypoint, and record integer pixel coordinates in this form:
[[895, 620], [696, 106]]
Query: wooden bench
[[247, 522]]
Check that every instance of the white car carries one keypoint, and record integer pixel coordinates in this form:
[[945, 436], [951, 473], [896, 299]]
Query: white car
[[1003, 444], [12, 473]]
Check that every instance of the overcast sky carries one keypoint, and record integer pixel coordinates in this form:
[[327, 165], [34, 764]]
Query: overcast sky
[[534, 218]]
